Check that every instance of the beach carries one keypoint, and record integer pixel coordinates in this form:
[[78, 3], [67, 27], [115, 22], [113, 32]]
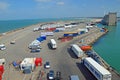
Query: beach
[[23, 37]]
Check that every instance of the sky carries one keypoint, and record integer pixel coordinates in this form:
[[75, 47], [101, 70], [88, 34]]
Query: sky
[[36, 9]]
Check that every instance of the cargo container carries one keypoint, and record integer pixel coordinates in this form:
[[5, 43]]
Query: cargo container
[[82, 31], [86, 48], [28, 62], [47, 33], [53, 44], [96, 69], [51, 29], [43, 36], [76, 49], [73, 34]]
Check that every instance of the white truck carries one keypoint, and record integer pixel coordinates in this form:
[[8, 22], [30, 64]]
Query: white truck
[[53, 44], [77, 50], [96, 69]]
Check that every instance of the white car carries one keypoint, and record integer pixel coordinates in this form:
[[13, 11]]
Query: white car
[[12, 42], [2, 47], [47, 65]]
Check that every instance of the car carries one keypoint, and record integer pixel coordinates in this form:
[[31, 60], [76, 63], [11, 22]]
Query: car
[[51, 75], [35, 50], [2, 47], [12, 42], [74, 77], [58, 75], [47, 65]]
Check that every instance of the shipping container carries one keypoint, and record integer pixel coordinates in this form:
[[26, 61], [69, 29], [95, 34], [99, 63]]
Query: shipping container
[[96, 69], [60, 29], [86, 48], [28, 62], [73, 34], [47, 33]]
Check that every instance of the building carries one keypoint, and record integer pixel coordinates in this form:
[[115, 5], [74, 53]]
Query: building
[[110, 19]]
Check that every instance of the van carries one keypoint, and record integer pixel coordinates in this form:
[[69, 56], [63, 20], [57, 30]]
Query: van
[[53, 44]]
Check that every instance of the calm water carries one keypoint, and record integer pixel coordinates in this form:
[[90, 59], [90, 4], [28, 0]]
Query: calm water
[[108, 47]]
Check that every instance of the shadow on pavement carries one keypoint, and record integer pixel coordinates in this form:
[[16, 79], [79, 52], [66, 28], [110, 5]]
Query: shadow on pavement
[[71, 53]]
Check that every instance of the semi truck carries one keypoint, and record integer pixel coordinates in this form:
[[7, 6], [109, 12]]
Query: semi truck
[[77, 50], [96, 69], [53, 44]]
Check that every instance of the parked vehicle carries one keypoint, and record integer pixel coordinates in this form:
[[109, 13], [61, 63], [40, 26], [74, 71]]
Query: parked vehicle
[[76, 49], [53, 44], [47, 65], [2, 61], [96, 69], [58, 75], [2, 47], [34, 44], [36, 29], [35, 50], [74, 77], [12, 42], [51, 75]]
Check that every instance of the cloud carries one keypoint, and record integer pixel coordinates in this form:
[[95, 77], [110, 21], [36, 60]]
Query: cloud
[[60, 3], [42, 0], [4, 6]]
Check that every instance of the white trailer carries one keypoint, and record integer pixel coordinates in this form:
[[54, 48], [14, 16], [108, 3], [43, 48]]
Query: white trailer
[[53, 44], [77, 50], [96, 69], [28, 62]]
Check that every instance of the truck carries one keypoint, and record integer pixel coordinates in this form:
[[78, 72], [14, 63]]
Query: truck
[[53, 44], [77, 50], [96, 69]]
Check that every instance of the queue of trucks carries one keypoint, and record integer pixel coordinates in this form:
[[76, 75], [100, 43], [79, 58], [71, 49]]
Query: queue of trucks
[[95, 68]]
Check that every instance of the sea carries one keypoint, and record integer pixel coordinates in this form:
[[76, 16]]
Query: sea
[[108, 46]]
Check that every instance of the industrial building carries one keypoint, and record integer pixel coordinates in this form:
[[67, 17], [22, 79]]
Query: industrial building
[[110, 19]]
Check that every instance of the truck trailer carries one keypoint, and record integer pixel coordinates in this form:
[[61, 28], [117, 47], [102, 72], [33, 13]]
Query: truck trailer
[[96, 69], [77, 50]]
